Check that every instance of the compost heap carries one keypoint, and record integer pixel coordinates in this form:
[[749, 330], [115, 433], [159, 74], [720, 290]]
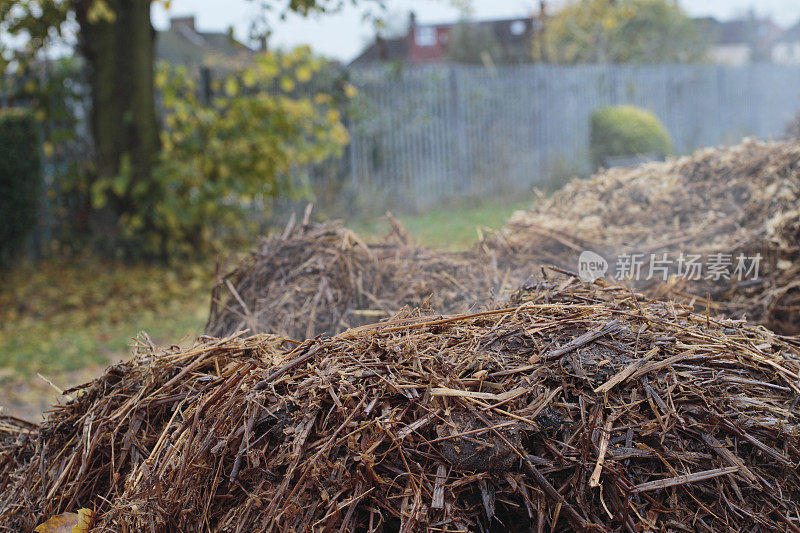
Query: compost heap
[[580, 407], [323, 278], [743, 199]]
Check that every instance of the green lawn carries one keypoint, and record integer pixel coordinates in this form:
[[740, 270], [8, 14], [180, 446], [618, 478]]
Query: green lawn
[[451, 228], [62, 315]]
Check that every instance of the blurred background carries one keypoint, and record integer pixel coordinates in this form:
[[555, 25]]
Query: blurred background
[[145, 145]]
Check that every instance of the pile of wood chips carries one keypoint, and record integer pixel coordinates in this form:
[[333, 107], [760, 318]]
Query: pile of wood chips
[[576, 407], [743, 199], [323, 278]]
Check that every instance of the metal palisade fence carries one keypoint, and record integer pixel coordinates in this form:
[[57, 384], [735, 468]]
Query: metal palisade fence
[[423, 135]]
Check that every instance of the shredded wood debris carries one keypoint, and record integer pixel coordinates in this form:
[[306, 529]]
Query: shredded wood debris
[[575, 407], [742, 199]]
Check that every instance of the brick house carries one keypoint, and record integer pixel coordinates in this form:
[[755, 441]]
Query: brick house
[[429, 43]]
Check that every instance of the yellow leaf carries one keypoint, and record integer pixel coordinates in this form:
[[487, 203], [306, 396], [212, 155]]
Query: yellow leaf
[[136, 222], [47, 148], [249, 78], [303, 74], [231, 87], [340, 136], [350, 91], [80, 522], [333, 115], [287, 84], [119, 184], [99, 11], [161, 77]]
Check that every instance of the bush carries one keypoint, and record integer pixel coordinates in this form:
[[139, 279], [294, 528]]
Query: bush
[[223, 161], [626, 130], [20, 179]]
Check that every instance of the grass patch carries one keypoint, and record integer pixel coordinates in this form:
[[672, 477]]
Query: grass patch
[[63, 315], [447, 228]]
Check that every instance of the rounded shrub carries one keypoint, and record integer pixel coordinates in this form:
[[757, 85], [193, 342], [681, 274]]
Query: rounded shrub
[[20, 179], [626, 131]]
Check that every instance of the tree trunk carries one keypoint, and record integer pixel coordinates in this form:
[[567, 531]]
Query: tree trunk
[[120, 57]]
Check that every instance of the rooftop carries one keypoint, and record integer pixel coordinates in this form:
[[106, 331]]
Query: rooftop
[[183, 44]]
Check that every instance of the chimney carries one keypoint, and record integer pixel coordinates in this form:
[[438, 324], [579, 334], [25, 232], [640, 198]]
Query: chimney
[[176, 23]]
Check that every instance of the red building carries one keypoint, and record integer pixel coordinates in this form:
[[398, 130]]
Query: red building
[[431, 43]]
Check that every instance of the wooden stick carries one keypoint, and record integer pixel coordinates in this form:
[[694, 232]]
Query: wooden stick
[[684, 479], [594, 481]]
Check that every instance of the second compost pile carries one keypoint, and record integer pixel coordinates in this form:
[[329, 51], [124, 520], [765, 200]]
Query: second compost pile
[[735, 201], [323, 278]]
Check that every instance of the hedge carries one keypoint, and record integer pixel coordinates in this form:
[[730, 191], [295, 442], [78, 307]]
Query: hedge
[[20, 180]]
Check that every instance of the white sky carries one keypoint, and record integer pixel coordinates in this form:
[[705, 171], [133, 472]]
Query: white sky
[[344, 34]]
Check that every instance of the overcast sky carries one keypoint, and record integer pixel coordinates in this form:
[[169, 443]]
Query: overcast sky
[[343, 35]]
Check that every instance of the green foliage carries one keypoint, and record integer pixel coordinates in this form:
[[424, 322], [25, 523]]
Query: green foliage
[[626, 130], [38, 23], [34, 23], [20, 179], [223, 158], [625, 31]]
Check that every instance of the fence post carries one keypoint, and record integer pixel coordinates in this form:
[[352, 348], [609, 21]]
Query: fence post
[[459, 133], [206, 94]]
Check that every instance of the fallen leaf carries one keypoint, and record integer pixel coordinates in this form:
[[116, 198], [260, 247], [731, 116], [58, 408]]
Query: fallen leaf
[[80, 522]]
